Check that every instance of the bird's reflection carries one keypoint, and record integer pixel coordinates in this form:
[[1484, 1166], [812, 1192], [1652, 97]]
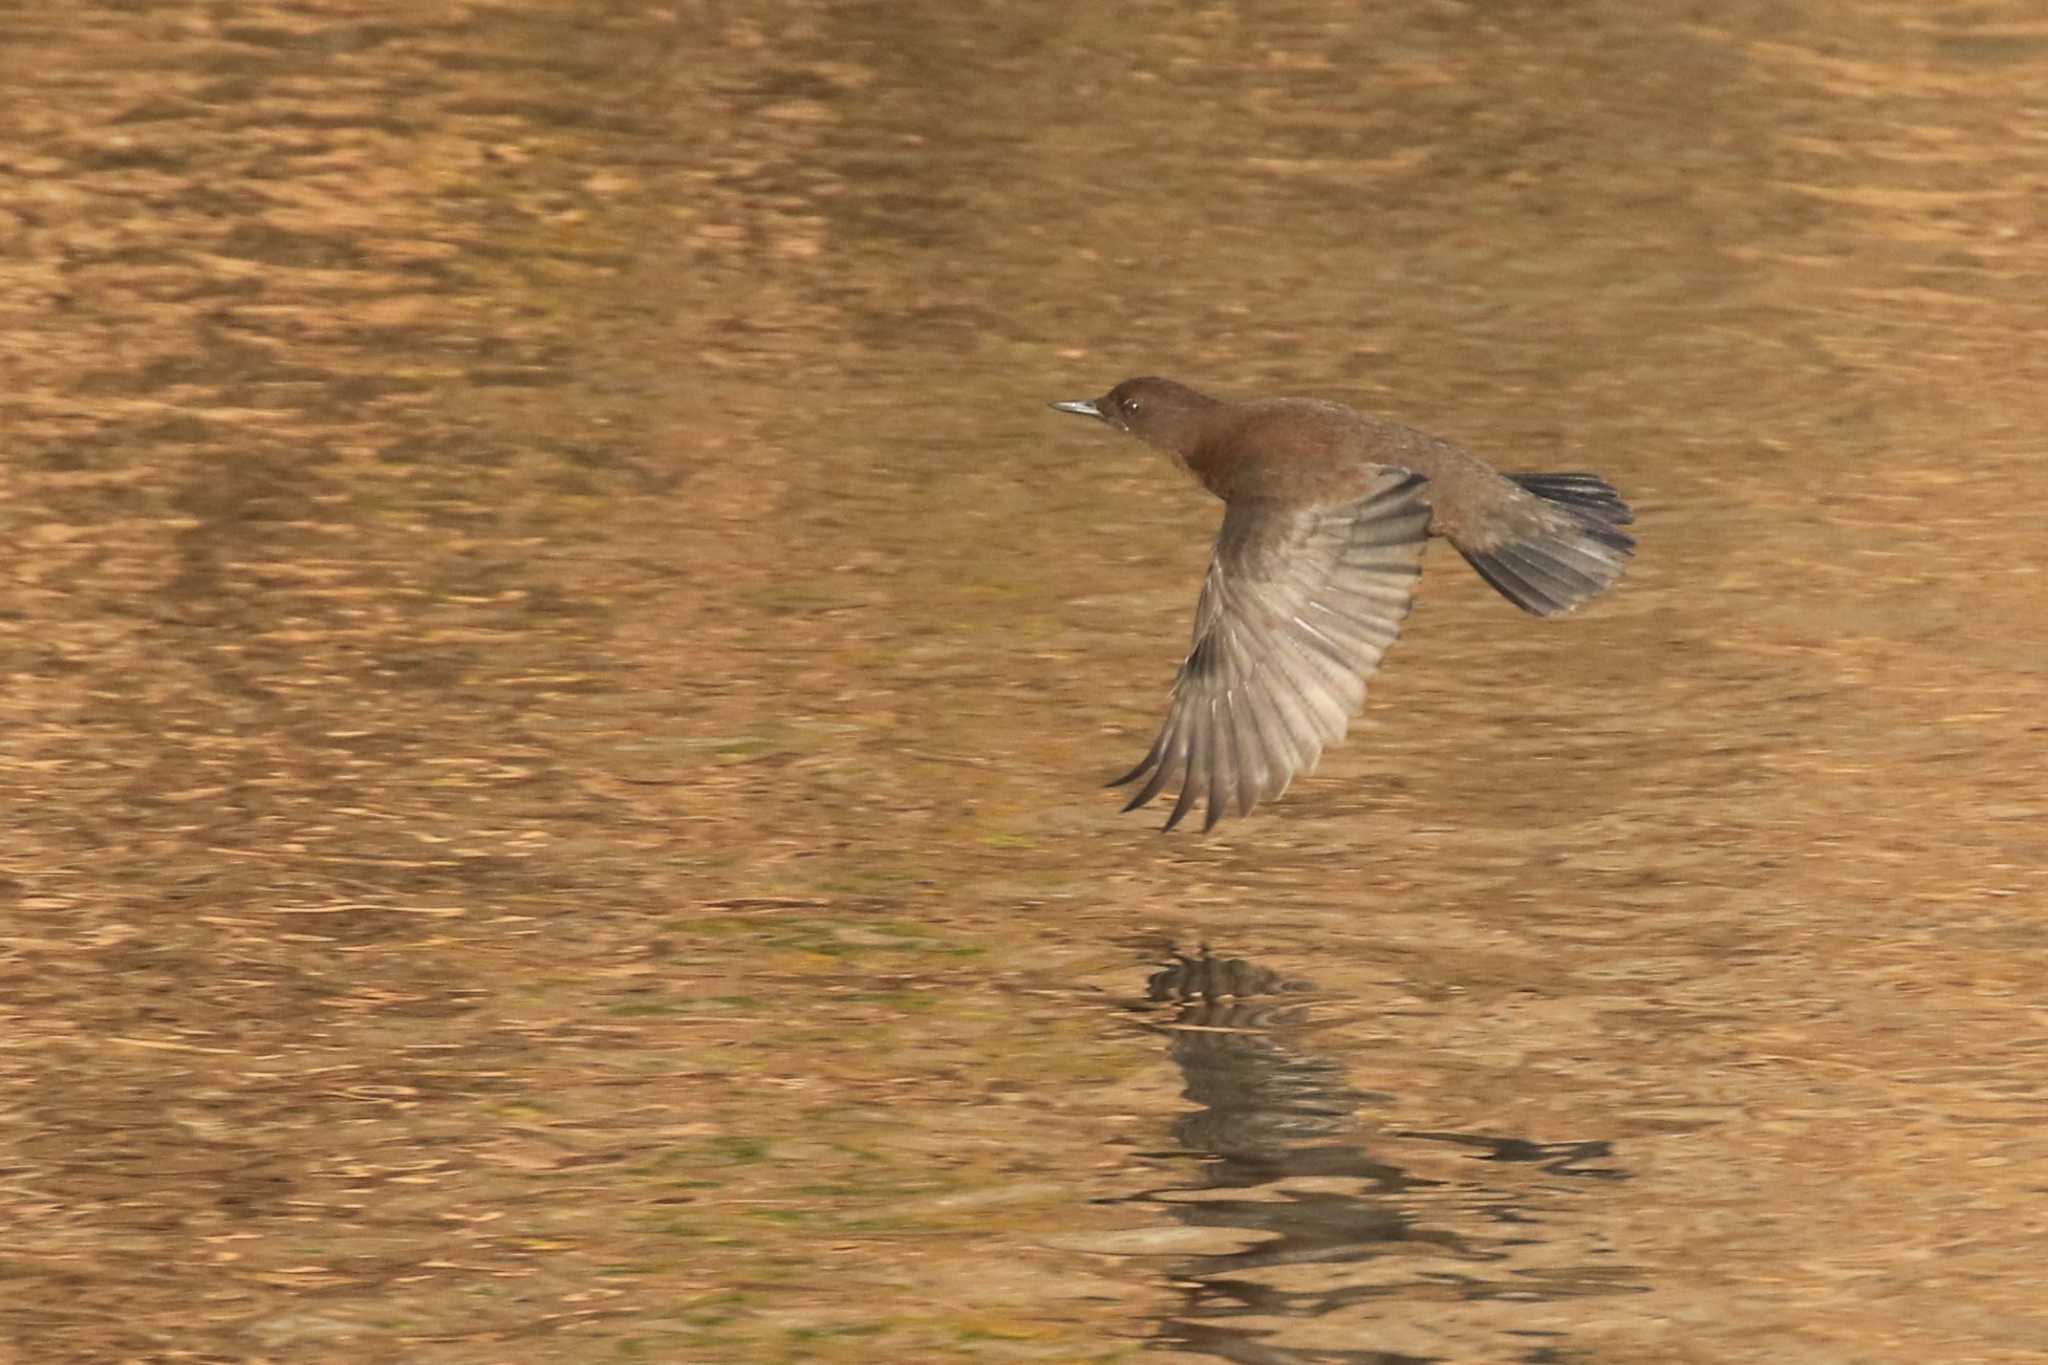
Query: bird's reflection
[[1277, 1135]]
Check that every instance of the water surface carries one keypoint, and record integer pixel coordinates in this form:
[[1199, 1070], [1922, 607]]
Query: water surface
[[559, 671]]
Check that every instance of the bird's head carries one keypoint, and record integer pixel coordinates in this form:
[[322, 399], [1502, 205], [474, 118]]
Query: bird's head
[[1158, 412]]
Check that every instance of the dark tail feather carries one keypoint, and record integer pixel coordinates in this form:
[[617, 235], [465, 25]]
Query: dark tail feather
[[1570, 562], [1586, 492]]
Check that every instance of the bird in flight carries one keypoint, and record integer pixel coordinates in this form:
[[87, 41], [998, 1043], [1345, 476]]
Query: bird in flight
[[1325, 514]]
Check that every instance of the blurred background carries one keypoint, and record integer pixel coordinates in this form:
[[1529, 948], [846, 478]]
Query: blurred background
[[559, 675]]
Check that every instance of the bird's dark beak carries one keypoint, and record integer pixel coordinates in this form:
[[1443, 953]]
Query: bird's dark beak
[[1087, 407]]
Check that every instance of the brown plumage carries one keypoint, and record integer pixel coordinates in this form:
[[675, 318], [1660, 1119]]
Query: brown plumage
[[1325, 514]]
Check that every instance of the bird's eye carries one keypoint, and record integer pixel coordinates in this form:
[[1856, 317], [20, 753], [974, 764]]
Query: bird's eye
[[1131, 406]]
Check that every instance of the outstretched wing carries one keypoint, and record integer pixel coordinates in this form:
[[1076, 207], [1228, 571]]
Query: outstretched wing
[[1298, 608]]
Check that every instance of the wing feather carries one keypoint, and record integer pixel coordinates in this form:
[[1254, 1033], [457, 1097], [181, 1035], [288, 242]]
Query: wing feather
[[1299, 607]]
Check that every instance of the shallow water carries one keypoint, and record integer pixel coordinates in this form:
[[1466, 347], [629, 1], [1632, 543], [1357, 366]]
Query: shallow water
[[559, 674]]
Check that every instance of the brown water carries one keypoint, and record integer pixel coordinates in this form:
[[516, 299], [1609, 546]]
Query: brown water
[[558, 676]]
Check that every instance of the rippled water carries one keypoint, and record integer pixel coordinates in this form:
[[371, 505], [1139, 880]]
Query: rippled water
[[1340, 1221], [559, 675]]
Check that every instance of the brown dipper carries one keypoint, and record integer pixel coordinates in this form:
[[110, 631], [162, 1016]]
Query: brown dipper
[[1325, 513]]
